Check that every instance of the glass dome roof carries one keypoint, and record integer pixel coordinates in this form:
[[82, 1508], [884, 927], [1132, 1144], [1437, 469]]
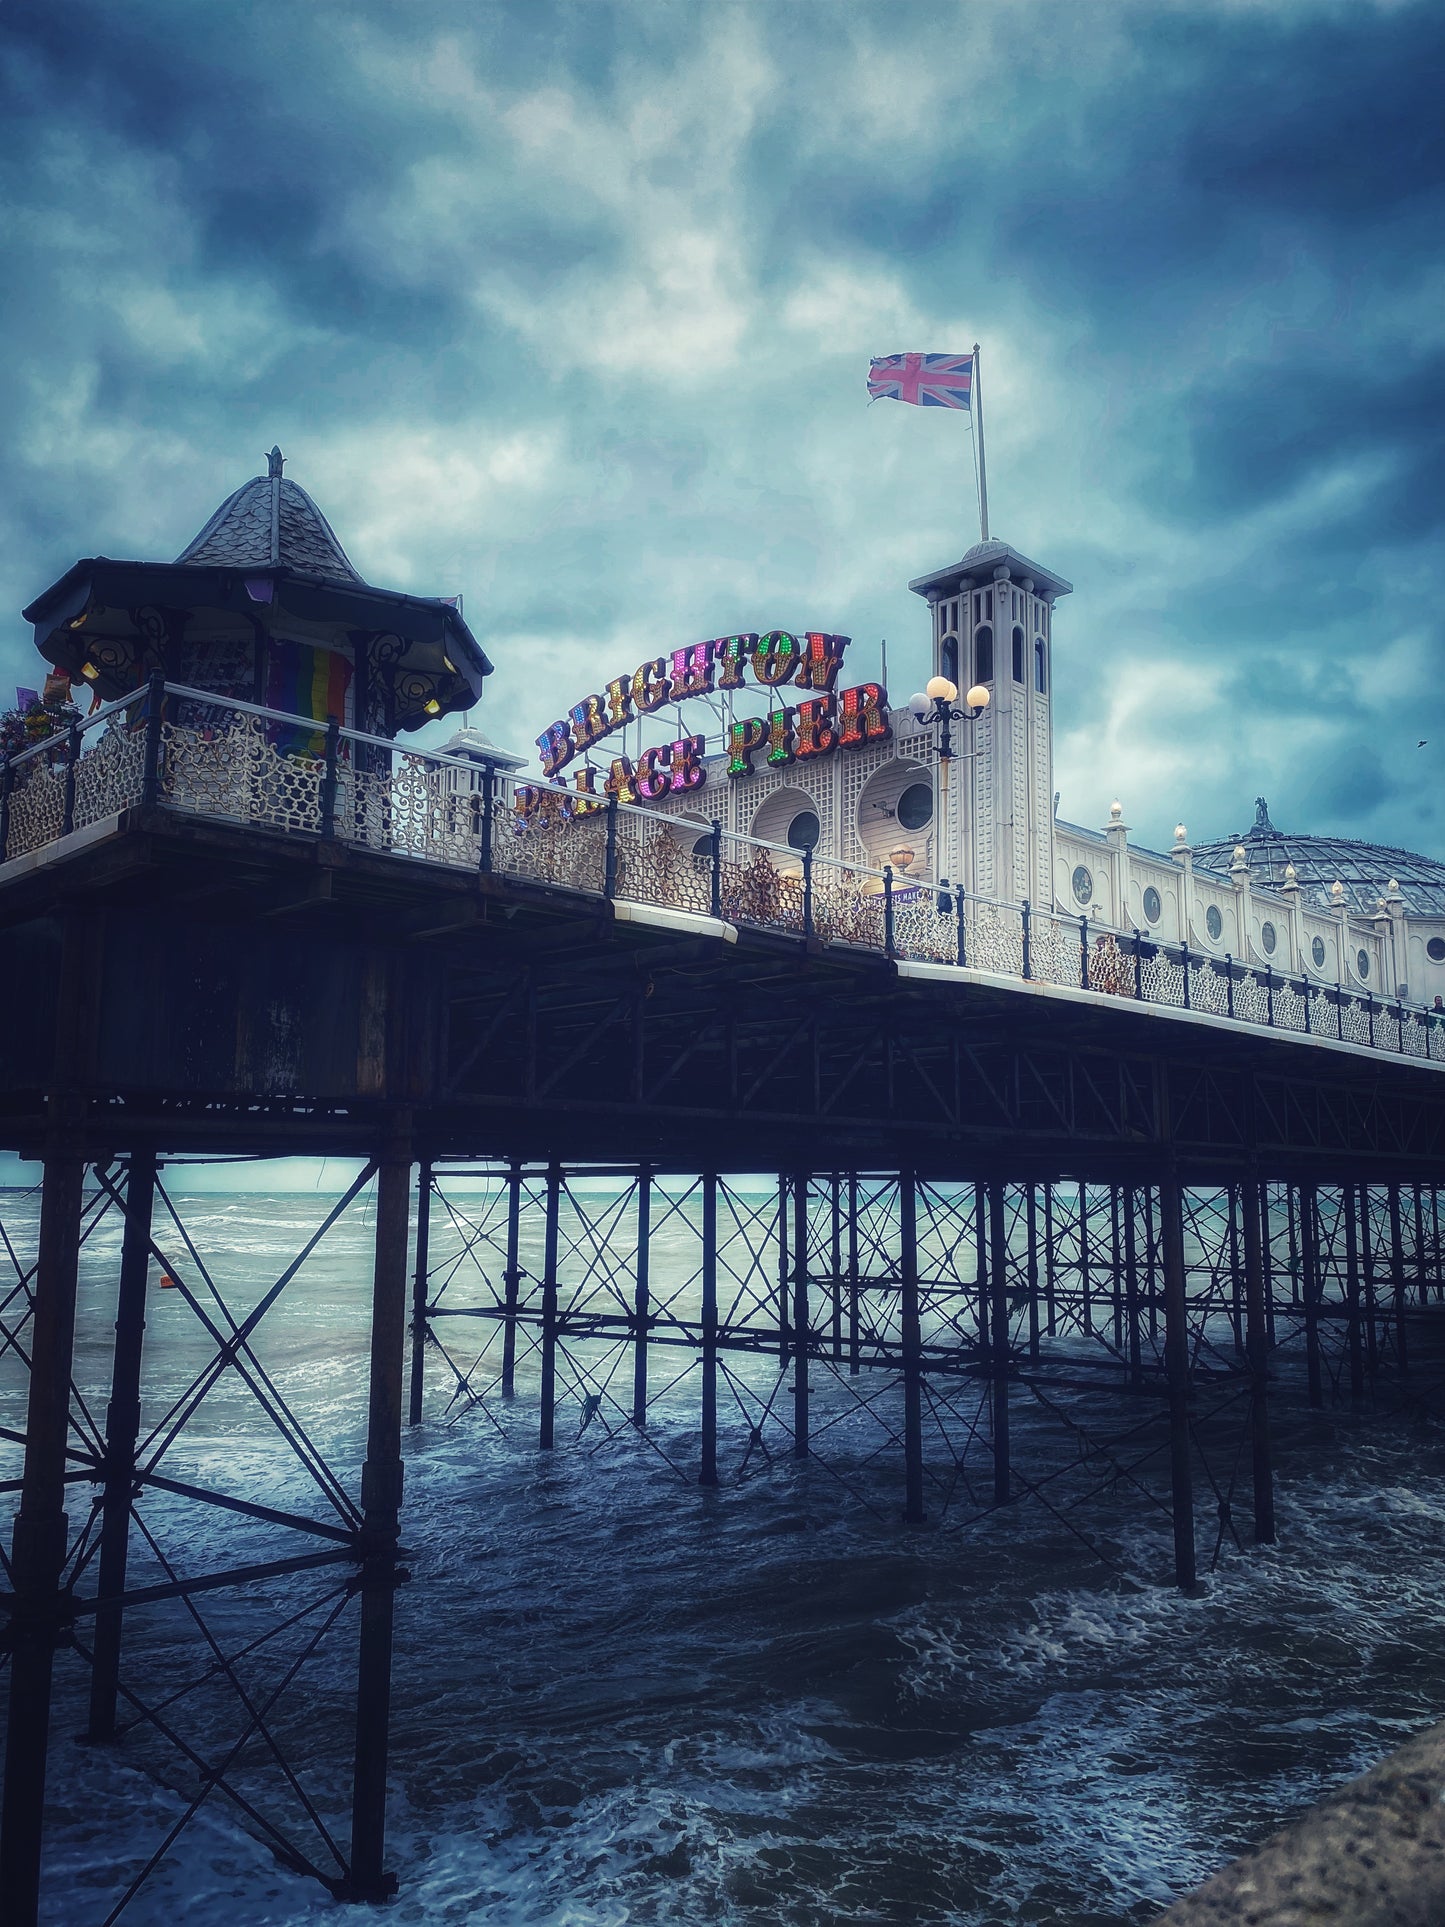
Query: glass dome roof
[[1364, 868]]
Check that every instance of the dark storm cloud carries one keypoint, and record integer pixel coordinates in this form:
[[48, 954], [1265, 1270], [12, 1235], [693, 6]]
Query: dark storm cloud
[[568, 306]]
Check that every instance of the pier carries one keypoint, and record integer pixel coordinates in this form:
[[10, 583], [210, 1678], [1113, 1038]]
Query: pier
[[917, 1157]]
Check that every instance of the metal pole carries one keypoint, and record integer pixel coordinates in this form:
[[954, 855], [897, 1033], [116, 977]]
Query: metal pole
[[854, 1360], [512, 1279], [1310, 1258], [784, 1328], [708, 1474], [381, 1487], [1176, 1360], [835, 1193], [998, 1345], [1367, 1255], [1131, 1289], [642, 1294], [1254, 1202], [38, 1554], [800, 1315], [122, 1427], [1086, 1307], [1031, 1228], [420, 1327], [977, 386], [1049, 1280], [547, 1418], [1397, 1268], [1352, 1297], [912, 1336]]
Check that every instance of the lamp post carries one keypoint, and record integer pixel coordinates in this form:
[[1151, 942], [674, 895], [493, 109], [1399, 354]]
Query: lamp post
[[935, 704]]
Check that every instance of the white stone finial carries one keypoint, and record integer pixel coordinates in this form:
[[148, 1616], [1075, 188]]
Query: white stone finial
[[1181, 835], [1240, 859], [1337, 892], [1392, 888], [1291, 874], [1116, 810]]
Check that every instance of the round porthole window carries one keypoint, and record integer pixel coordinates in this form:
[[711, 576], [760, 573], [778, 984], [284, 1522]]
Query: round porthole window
[[915, 807], [1153, 908], [1317, 951], [703, 846], [804, 831], [1269, 937], [1083, 883], [1435, 950], [1362, 963], [1214, 923]]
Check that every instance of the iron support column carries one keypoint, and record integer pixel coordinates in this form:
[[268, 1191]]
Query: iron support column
[[1310, 1261], [420, 1327], [1353, 1339], [642, 1296], [998, 1336], [708, 1474], [38, 1555], [1397, 1269], [512, 1279], [1253, 1203], [1176, 1359], [912, 1336], [122, 1428], [381, 1486], [800, 1315], [546, 1431]]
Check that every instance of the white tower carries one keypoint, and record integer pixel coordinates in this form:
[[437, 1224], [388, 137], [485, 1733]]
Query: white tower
[[993, 624]]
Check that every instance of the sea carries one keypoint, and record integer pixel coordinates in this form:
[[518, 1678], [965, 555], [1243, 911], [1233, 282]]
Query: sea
[[619, 1698]]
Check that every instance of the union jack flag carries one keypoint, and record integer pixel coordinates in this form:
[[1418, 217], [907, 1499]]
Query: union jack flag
[[931, 381]]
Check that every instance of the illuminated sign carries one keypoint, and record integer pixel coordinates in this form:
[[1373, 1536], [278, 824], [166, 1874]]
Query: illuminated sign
[[828, 720]]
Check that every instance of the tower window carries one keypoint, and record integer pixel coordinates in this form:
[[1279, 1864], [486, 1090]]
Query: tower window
[[1018, 655], [1041, 667], [988, 603], [983, 655], [948, 658]]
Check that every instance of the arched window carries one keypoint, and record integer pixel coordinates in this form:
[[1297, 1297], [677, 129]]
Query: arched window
[[983, 655], [1041, 666], [948, 658], [1018, 655]]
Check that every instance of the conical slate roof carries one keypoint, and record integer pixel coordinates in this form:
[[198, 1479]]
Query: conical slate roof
[[271, 523]]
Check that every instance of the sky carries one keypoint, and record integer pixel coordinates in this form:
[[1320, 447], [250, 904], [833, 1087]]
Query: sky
[[567, 306]]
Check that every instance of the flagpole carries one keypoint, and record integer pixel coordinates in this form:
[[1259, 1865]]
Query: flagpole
[[982, 470]]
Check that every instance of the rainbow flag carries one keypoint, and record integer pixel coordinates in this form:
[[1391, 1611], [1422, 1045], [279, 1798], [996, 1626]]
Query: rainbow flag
[[302, 681]]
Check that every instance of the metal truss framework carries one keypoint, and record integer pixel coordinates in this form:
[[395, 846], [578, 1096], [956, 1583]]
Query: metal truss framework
[[938, 1350]]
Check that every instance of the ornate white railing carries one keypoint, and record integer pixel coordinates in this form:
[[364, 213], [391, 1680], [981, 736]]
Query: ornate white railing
[[182, 748]]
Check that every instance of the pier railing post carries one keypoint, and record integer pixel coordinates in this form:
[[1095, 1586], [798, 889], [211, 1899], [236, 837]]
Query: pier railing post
[[329, 778], [122, 1428], [489, 811], [609, 870], [420, 1322], [715, 866], [1176, 1360], [151, 767], [381, 1486], [7, 784], [72, 771], [912, 1347]]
